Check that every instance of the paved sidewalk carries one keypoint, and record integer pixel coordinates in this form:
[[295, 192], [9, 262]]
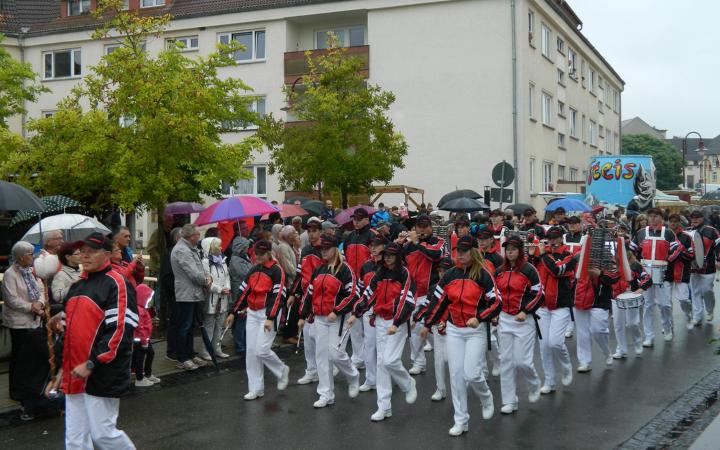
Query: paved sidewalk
[[710, 437]]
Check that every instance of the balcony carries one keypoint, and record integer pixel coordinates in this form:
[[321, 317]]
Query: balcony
[[296, 66]]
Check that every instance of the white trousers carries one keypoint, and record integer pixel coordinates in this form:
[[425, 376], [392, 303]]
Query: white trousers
[[680, 292], [517, 349], [591, 324], [309, 349], [493, 356], [91, 420], [214, 324], [370, 355], [703, 296], [626, 321], [327, 354], [417, 354], [389, 361], [439, 358], [657, 295], [357, 339], [552, 345], [466, 348], [259, 352]]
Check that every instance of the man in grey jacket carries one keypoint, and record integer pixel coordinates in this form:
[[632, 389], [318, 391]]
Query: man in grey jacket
[[191, 281]]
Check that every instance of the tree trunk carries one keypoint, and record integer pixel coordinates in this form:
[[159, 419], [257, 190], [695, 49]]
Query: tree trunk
[[344, 198]]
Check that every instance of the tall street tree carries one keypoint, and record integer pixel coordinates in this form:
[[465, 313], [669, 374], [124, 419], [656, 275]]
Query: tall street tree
[[18, 84], [343, 140], [668, 161]]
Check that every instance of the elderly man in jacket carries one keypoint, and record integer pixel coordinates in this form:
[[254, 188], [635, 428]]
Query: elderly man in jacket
[[191, 281]]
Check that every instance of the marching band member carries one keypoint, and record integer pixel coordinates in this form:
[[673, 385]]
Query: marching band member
[[702, 279], [628, 320], [572, 240], [493, 261], [531, 223], [556, 267], [390, 295], [469, 295], [422, 252], [656, 244], [680, 269], [519, 284], [462, 228], [329, 297], [263, 294], [559, 218], [497, 225]]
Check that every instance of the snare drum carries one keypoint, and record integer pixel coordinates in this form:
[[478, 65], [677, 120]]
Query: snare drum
[[656, 269], [629, 300]]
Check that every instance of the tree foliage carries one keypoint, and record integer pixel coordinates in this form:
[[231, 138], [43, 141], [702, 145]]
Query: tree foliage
[[140, 131], [343, 139], [667, 159], [17, 86]]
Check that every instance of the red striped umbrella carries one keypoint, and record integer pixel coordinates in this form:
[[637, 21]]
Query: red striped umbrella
[[233, 208]]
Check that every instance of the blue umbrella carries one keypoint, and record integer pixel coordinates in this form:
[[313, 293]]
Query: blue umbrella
[[570, 204]]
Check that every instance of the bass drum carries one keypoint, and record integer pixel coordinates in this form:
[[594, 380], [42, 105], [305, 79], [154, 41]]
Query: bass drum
[[698, 247]]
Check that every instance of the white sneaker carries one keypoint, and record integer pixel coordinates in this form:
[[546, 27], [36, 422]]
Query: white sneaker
[[323, 403], [568, 334], [709, 317], [508, 409], [154, 379], [488, 410], [668, 336], [496, 371], [200, 362], [416, 370], [284, 379], [638, 349], [411, 394], [354, 389], [582, 368], [143, 383], [534, 395], [222, 355], [253, 395], [307, 379], [187, 365], [206, 357], [609, 360], [648, 343], [438, 395], [366, 387], [546, 389], [690, 325], [381, 415], [619, 355], [428, 347], [458, 429], [567, 378]]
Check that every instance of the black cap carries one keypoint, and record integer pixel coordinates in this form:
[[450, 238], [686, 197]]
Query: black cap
[[559, 210], [327, 242], [514, 241], [263, 246], [379, 239], [462, 222], [393, 249], [529, 212], [554, 232], [697, 213], [446, 263], [423, 220], [360, 213], [484, 233], [97, 241], [574, 219], [496, 212], [466, 243]]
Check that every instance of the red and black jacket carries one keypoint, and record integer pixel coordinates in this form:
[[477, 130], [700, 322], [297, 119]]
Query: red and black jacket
[[640, 280], [674, 248], [101, 315], [711, 241], [493, 260], [497, 231], [421, 259], [596, 292], [329, 293], [680, 268], [520, 288], [390, 294], [310, 259], [464, 298], [367, 272], [134, 272], [357, 248], [534, 228], [263, 288], [557, 275]]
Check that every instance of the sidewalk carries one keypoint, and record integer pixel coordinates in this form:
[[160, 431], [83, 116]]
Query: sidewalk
[[710, 438]]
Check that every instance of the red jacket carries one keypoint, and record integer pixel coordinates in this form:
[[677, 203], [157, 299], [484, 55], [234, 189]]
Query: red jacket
[[357, 248], [310, 259], [519, 288], [264, 287], [421, 259], [557, 275], [134, 272], [390, 294], [144, 330], [329, 292], [596, 292]]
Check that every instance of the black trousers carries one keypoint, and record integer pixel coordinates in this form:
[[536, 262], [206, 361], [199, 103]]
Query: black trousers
[[142, 360]]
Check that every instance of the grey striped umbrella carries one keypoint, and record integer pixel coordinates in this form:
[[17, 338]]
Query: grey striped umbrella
[[54, 204]]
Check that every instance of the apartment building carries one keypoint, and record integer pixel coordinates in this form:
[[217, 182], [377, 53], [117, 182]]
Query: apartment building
[[477, 81]]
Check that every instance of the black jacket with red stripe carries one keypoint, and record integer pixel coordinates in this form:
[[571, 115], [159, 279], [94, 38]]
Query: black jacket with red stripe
[[263, 288], [711, 241], [390, 294], [101, 315], [421, 259], [329, 292], [494, 260], [310, 259], [464, 298], [367, 272], [557, 275], [520, 288], [357, 248], [680, 268]]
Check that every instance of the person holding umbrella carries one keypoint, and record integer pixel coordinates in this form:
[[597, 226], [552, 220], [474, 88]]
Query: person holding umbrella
[[263, 296]]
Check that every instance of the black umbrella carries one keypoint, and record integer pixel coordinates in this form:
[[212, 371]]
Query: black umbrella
[[206, 338], [292, 200], [464, 204], [460, 193], [315, 207], [519, 208], [14, 197], [714, 195]]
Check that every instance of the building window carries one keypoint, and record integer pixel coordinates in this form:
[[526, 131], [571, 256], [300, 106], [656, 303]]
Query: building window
[[573, 123], [561, 109], [545, 44], [616, 100], [548, 176], [561, 77], [185, 43], [547, 108], [561, 144], [583, 73], [62, 64], [112, 47], [601, 88], [256, 106], [600, 107], [126, 5], [253, 41], [560, 46], [561, 172], [347, 37], [532, 174], [257, 185], [572, 64], [48, 114], [608, 140], [573, 174], [531, 101], [593, 131], [531, 26], [584, 129], [151, 3], [77, 7], [591, 81]]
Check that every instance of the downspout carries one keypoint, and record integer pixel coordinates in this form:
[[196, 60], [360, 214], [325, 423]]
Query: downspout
[[21, 42], [514, 99]]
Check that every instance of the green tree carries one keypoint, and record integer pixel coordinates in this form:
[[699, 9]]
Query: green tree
[[140, 131], [667, 159], [343, 140], [18, 84]]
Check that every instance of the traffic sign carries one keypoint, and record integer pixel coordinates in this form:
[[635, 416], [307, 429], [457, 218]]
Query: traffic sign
[[503, 174], [507, 195]]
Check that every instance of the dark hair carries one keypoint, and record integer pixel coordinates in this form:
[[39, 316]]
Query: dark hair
[[211, 232], [66, 250]]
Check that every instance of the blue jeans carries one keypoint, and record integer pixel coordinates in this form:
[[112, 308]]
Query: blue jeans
[[185, 327], [238, 332]]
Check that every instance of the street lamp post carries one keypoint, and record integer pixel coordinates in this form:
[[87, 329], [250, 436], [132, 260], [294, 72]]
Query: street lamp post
[[701, 148]]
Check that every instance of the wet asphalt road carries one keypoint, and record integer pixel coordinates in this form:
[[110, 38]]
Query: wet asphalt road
[[598, 411]]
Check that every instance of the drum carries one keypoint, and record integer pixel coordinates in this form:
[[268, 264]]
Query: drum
[[698, 247], [656, 269], [629, 300]]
